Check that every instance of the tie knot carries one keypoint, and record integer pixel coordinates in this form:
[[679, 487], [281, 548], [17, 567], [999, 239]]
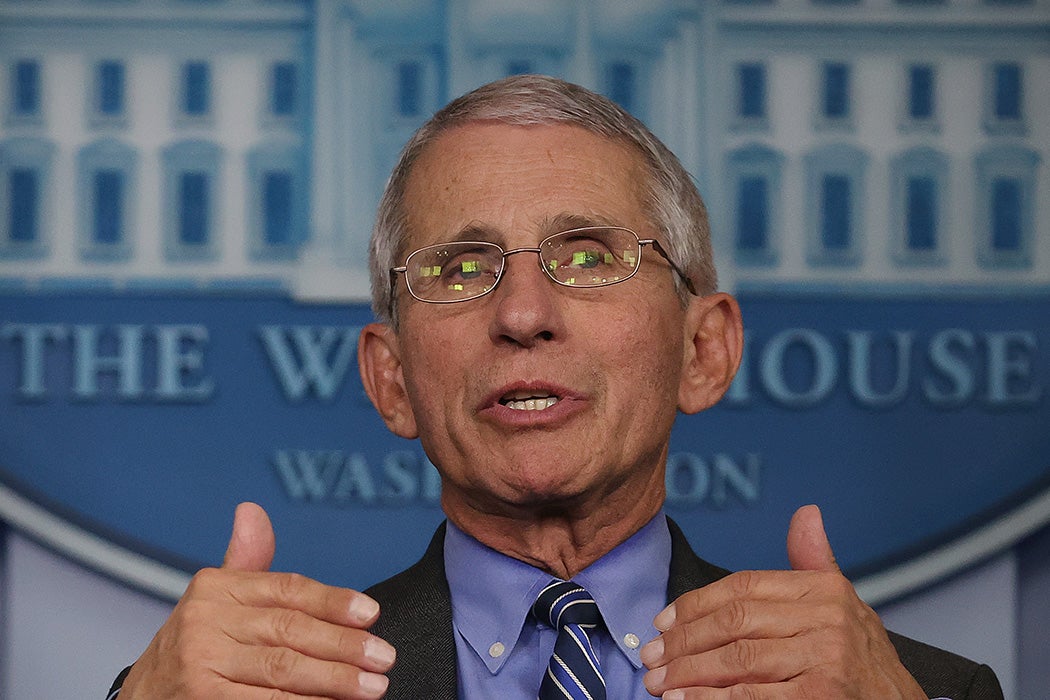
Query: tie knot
[[566, 603]]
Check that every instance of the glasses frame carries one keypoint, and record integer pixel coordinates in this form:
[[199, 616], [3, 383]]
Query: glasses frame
[[504, 254]]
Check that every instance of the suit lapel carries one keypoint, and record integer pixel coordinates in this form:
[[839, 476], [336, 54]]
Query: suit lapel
[[688, 571], [416, 618]]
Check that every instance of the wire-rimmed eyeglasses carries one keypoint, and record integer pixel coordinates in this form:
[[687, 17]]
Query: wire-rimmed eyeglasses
[[594, 256]]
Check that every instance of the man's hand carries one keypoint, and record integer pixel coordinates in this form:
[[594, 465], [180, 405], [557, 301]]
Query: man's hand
[[777, 634], [241, 631]]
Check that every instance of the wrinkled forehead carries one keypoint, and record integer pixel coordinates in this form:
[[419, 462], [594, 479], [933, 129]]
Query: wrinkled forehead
[[477, 180]]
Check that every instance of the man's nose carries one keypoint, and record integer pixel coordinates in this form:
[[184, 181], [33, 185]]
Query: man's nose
[[527, 305]]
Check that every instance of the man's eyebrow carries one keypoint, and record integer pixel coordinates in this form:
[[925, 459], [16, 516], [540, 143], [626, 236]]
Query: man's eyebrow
[[567, 221], [478, 231]]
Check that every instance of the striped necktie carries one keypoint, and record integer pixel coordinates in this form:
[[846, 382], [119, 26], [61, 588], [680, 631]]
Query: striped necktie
[[574, 671]]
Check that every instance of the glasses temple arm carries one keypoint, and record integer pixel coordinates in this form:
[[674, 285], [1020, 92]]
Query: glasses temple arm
[[674, 266]]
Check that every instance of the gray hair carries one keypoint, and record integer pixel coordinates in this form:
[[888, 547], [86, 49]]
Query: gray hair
[[673, 203]]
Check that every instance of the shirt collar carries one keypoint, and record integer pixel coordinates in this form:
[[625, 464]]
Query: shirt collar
[[492, 592]]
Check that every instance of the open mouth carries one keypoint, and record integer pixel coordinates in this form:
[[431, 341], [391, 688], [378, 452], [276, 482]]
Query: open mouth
[[528, 402]]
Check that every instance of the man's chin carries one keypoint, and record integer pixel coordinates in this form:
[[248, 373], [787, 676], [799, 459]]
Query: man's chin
[[521, 499], [547, 498]]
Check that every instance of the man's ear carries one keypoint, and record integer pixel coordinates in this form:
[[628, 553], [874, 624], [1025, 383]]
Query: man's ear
[[379, 361], [714, 344]]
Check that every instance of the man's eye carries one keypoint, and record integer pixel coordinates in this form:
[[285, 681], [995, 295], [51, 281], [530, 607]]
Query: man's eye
[[429, 271], [465, 269], [592, 257]]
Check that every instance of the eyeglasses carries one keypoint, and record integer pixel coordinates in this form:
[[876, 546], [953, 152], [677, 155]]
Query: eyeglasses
[[595, 256]]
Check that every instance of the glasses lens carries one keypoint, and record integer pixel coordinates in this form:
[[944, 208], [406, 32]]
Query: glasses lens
[[591, 257], [453, 271]]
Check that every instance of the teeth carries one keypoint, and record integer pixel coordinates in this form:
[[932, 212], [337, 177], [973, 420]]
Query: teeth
[[531, 404]]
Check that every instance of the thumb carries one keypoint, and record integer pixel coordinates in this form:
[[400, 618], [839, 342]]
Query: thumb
[[252, 542], [807, 544]]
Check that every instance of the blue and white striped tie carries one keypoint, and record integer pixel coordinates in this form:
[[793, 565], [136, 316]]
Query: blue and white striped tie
[[574, 671]]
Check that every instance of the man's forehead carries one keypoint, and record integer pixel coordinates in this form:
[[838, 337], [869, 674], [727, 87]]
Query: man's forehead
[[547, 225], [504, 140], [454, 170]]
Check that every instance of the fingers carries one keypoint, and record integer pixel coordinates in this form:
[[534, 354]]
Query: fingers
[[340, 606], [235, 631], [750, 661], [776, 634], [273, 627], [252, 541], [294, 672], [741, 620], [243, 631], [764, 691], [807, 543], [784, 586]]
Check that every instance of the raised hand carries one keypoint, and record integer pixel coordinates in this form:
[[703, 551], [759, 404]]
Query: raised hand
[[241, 631], [802, 633]]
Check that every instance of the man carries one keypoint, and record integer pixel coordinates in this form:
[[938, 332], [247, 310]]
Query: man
[[542, 272]]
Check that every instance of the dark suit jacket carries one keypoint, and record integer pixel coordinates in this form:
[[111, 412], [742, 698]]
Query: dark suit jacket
[[416, 618]]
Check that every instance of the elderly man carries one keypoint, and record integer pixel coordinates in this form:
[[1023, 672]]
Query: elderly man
[[542, 272]]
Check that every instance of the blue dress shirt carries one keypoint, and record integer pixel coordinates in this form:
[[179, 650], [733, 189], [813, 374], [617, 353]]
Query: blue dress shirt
[[503, 652]]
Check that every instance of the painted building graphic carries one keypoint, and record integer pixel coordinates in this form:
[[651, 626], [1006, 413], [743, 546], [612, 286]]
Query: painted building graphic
[[241, 143], [186, 184]]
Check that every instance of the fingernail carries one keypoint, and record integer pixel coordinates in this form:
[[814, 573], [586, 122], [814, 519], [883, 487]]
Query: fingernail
[[665, 619], [363, 609], [373, 684], [380, 652], [655, 678], [652, 652], [674, 695]]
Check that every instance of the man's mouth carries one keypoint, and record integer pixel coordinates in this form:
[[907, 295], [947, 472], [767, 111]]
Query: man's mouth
[[528, 402]]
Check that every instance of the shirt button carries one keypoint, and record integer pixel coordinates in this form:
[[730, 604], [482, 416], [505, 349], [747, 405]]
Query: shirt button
[[631, 641], [496, 650]]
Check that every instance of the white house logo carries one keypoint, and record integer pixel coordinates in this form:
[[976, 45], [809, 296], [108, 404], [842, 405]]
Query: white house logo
[[183, 215]]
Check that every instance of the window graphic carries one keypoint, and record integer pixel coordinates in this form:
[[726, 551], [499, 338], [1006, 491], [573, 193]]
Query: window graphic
[[751, 91], [409, 89], [196, 89], [1007, 77], [25, 94], [276, 202], [921, 213], [919, 180], [109, 96], [835, 95], [277, 207], [105, 183], [835, 211], [1004, 111], [284, 89], [192, 187], [621, 84], [1005, 206], [24, 203], [754, 173], [921, 100], [108, 220], [24, 171], [519, 66], [835, 193], [194, 195], [752, 220]]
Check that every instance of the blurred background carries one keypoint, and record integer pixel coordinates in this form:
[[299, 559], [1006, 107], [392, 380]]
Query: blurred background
[[186, 192]]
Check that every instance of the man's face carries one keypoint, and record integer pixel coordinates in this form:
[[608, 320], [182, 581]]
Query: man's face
[[479, 374]]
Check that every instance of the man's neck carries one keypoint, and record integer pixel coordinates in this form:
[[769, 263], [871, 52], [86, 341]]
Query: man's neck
[[562, 539]]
